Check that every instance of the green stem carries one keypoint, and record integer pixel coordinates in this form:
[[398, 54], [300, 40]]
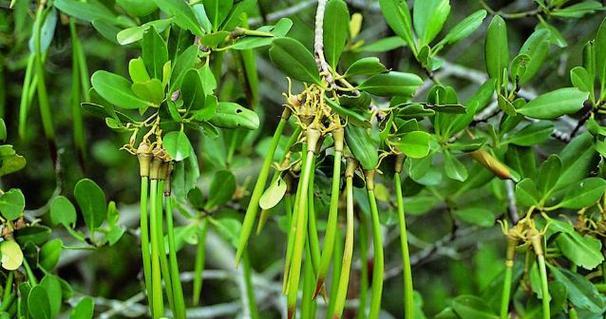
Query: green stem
[[377, 243], [79, 135], [307, 303], [348, 249], [406, 268], [331, 223], [336, 272], [314, 242], [200, 258], [43, 103], [248, 286], [179, 302], [363, 230], [300, 233], [158, 300], [144, 229], [253, 206], [511, 245], [291, 238], [164, 268], [30, 274], [25, 96], [544, 287], [8, 290]]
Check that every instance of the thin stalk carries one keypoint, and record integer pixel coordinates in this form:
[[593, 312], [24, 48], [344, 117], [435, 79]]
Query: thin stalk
[[250, 289], [179, 302], [336, 272], [290, 241], [293, 225], [3, 90], [164, 268], [333, 212], [79, 135], [200, 258], [83, 68], [377, 244], [43, 102], [144, 230], [537, 245], [349, 243], [158, 300], [313, 137], [307, 303], [25, 95], [8, 290], [314, 242], [511, 245], [30, 274], [363, 230], [253, 206], [406, 268]]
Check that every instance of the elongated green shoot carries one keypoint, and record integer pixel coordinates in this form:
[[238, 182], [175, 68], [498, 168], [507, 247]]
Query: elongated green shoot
[[290, 240], [363, 236], [247, 272], [307, 303], [537, 245], [200, 258], [164, 266], [156, 275], [43, 102], [313, 136], [336, 273], [78, 125], [25, 95], [406, 267], [314, 242], [349, 242], [253, 206], [144, 235], [333, 212], [505, 297], [179, 302], [8, 290], [377, 244]]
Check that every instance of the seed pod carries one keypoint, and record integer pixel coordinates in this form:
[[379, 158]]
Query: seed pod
[[362, 146], [144, 156], [491, 163]]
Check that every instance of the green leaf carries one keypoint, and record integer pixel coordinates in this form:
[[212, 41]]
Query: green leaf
[[39, 297], [50, 253], [584, 193], [154, 52], [35, 234], [184, 16], [362, 145], [464, 28], [429, 17], [151, 91], [537, 49], [581, 292], [554, 104], [581, 79], [192, 90], [392, 84], [366, 66], [600, 54], [531, 134], [233, 115], [384, 45], [336, 30], [88, 11], [134, 34], [177, 145], [527, 193], [185, 176], [273, 194], [228, 228], [482, 217], [496, 48], [549, 174], [467, 306], [12, 256], [137, 71], [137, 8], [222, 189], [91, 199], [52, 285], [295, 60], [415, 144], [117, 90], [454, 168], [576, 159], [217, 11], [583, 251], [85, 309], [12, 204], [397, 16], [280, 29], [578, 10]]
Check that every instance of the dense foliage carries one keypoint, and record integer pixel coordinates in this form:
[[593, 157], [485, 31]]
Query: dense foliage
[[309, 159]]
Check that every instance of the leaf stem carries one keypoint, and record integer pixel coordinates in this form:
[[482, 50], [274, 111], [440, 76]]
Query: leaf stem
[[200, 258], [377, 243], [406, 267]]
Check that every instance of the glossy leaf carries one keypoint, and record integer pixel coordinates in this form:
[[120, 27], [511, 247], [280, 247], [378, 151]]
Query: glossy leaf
[[581, 292], [154, 52], [415, 144], [527, 193], [429, 17], [466, 27], [365, 66], [222, 189], [584, 193], [273, 194], [454, 168], [89, 11], [50, 253], [467, 306], [12, 204], [91, 199], [184, 16], [12, 256], [336, 30], [39, 297], [84, 309], [392, 84], [217, 11], [177, 145], [117, 90], [496, 48], [397, 16], [295, 60], [554, 104], [232, 115], [482, 217]]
